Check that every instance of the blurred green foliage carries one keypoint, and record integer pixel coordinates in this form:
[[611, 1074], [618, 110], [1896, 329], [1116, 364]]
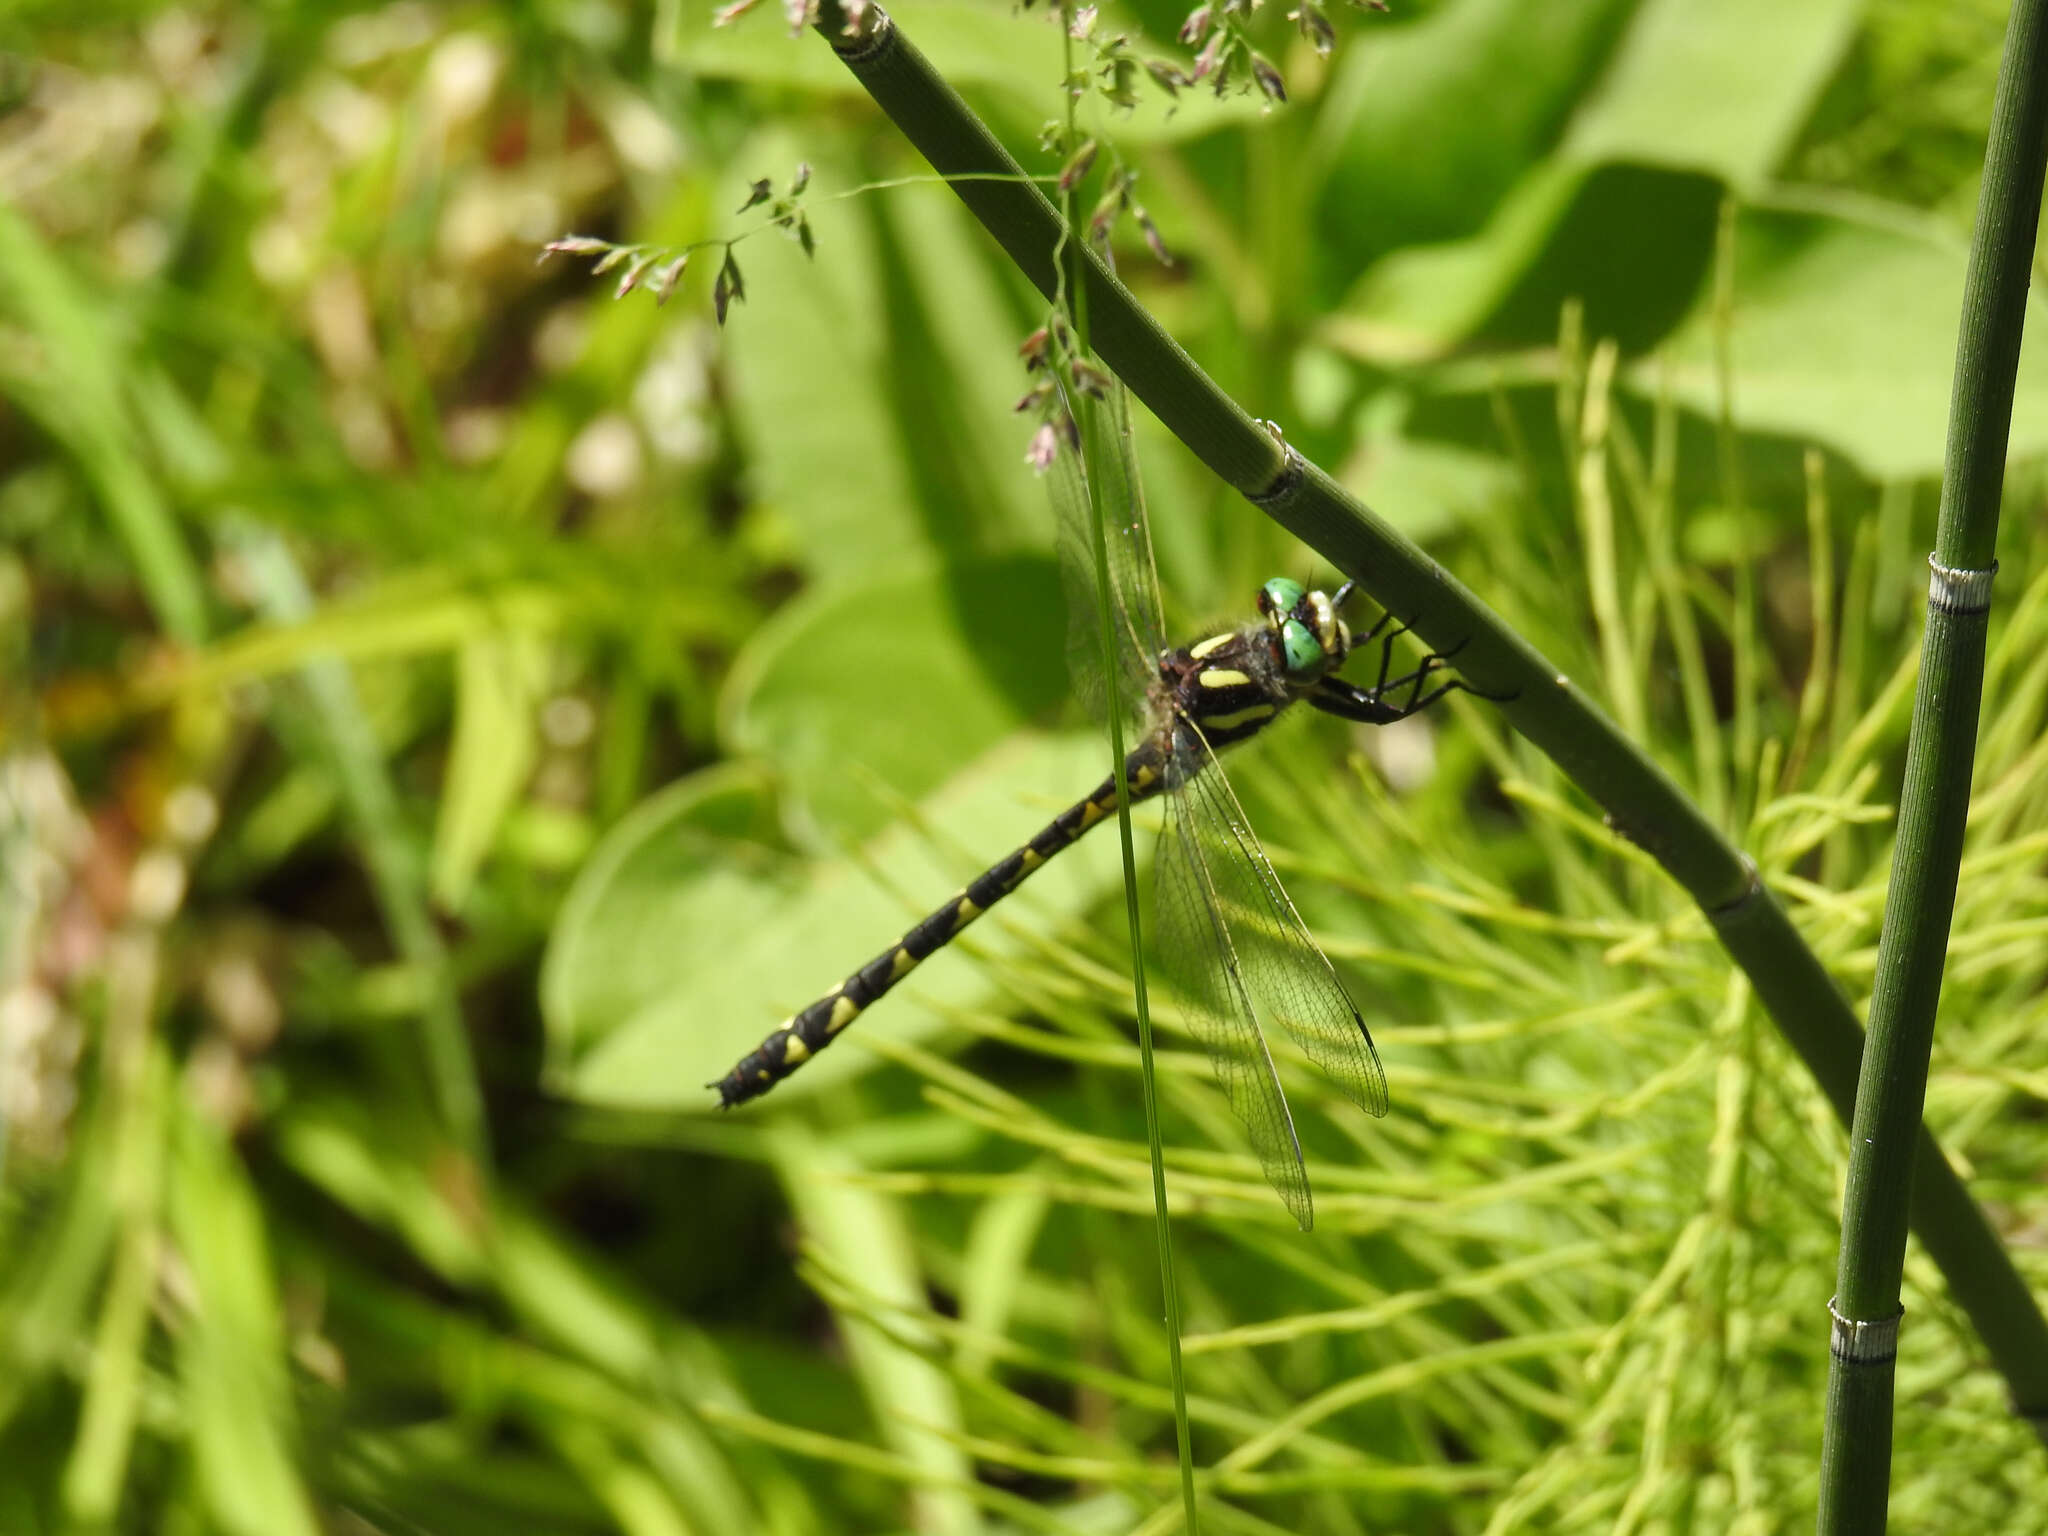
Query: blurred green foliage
[[448, 715]]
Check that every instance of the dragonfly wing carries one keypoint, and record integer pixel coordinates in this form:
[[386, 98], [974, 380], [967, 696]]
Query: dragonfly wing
[[1197, 952], [1134, 576], [1140, 635], [1284, 969]]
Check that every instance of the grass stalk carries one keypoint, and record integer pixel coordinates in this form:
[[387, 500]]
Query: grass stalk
[[1643, 803], [76, 395], [372, 803], [1749, 791], [1934, 805], [1095, 453], [1093, 429]]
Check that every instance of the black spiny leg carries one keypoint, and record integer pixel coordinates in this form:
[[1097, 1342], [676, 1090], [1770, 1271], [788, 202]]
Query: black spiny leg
[[1371, 706], [1381, 632], [1359, 642], [1334, 696]]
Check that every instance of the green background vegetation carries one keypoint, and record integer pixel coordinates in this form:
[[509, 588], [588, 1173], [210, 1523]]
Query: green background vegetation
[[449, 716]]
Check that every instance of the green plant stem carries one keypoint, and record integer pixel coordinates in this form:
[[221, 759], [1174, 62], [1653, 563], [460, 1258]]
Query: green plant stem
[[1935, 803], [1641, 801]]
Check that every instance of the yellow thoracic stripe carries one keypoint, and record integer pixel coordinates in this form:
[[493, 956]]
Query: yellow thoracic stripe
[[1223, 677], [1236, 718], [1214, 642]]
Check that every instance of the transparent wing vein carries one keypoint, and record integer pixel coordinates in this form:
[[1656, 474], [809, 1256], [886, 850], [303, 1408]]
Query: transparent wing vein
[[1283, 968], [1197, 953], [1133, 580], [1227, 934]]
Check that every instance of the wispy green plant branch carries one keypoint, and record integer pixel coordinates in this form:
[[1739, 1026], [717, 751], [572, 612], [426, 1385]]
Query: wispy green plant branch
[[1641, 801], [1935, 804]]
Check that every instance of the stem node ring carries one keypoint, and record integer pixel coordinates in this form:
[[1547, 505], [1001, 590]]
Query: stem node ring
[[1858, 1343], [1959, 591]]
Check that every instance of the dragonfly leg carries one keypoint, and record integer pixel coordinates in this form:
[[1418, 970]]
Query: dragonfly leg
[[1334, 696], [1417, 701], [1416, 705], [1477, 693], [1434, 661], [1377, 705], [1379, 632], [1387, 652], [1384, 684], [1343, 595]]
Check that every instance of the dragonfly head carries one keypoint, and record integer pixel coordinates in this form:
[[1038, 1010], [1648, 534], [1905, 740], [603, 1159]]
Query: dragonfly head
[[1310, 636]]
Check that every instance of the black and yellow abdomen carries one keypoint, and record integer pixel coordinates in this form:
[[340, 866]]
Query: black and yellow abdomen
[[804, 1034]]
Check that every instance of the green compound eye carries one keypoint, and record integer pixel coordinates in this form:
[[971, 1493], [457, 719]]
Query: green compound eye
[[1280, 594], [1304, 652]]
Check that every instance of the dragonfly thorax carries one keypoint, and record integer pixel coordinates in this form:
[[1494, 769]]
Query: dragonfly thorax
[[1233, 685]]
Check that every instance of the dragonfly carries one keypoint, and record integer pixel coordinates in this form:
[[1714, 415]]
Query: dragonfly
[[1228, 936]]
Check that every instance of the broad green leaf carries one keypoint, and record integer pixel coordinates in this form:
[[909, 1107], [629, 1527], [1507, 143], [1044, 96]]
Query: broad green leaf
[[423, 612], [1722, 89], [1621, 216], [70, 383], [812, 359], [99, 1463], [686, 941], [1426, 128], [498, 681], [47, 1292], [913, 1398], [1632, 243], [862, 692], [232, 1349], [1428, 488], [699, 856], [138, 1120], [1845, 333], [972, 447]]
